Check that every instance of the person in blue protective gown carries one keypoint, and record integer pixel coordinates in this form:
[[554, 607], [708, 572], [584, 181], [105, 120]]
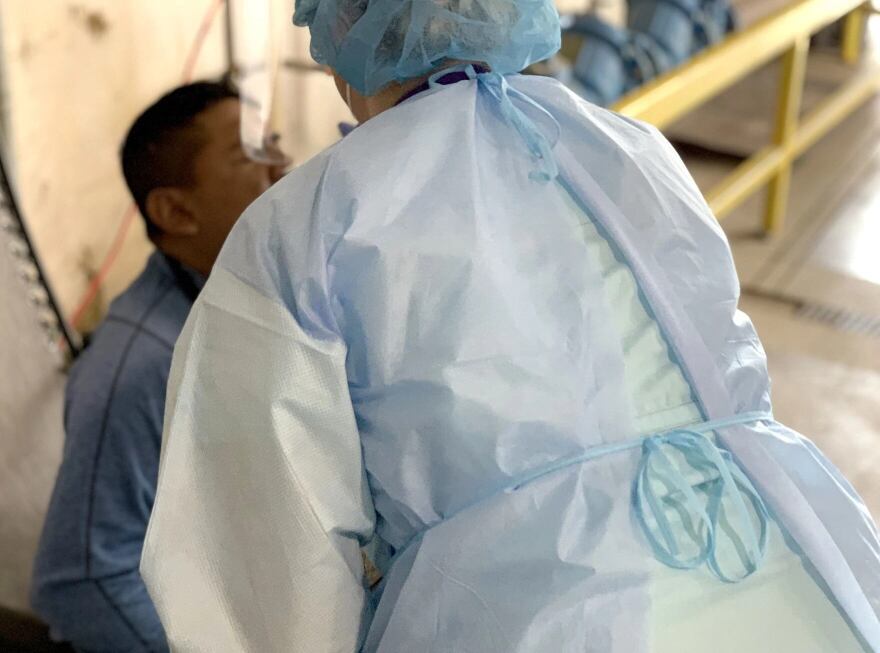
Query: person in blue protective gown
[[495, 328]]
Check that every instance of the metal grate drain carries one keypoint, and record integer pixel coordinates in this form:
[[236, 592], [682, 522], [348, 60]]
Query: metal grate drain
[[837, 318]]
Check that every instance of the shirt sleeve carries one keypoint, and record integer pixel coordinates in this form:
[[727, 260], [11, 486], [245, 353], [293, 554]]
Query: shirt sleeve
[[262, 503]]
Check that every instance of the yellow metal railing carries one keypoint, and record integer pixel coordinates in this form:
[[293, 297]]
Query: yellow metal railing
[[787, 34]]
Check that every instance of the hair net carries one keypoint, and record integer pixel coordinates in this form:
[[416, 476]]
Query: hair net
[[372, 43]]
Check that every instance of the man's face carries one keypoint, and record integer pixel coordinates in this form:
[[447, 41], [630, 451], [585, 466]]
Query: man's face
[[226, 180]]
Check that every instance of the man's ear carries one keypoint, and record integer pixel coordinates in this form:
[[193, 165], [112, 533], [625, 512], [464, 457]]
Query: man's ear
[[170, 210]]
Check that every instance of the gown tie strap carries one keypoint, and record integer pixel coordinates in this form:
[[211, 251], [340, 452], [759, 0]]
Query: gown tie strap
[[536, 141]]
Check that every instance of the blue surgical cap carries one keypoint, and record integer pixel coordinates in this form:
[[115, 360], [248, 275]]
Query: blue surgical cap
[[372, 43]]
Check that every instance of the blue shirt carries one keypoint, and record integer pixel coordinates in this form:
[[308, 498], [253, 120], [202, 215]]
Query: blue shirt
[[86, 583]]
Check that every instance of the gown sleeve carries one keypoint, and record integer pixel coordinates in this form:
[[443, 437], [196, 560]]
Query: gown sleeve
[[262, 504]]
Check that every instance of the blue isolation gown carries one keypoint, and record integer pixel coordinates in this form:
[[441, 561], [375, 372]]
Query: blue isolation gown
[[781, 608], [408, 337]]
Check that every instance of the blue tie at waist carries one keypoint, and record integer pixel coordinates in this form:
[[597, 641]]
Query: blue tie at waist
[[701, 507], [661, 487]]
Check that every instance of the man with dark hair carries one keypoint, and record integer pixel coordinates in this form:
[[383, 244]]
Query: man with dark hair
[[185, 166]]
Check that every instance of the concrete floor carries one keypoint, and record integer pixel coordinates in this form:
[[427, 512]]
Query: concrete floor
[[825, 356]]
